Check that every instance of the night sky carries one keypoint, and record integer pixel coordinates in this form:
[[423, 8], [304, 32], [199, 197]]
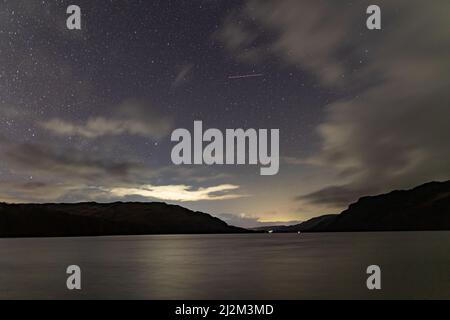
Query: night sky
[[86, 115]]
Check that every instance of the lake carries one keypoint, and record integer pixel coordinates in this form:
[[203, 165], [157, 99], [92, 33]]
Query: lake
[[414, 265]]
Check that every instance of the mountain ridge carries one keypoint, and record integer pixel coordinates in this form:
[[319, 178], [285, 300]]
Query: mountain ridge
[[423, 208], [101, 219]]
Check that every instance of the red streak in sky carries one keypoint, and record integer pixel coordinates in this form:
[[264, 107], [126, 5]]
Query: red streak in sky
[[246, 76]]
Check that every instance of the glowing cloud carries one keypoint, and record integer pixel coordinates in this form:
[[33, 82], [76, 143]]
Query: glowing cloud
[[182, 193]]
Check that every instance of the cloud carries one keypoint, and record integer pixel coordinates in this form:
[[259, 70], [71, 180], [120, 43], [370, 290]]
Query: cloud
[[41, 160], [132, 118], [239, 39], [246, 221], [14, 192], [182, 193], [339, 196], [55, 175], [43, 173], [183, 75], [99, 126], [38, 191], [293, 161], [302, 33], [63, 169], [392, 129]]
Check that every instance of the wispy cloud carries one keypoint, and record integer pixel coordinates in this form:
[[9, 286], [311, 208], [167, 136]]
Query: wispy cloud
[[183, 75], [132, 118]]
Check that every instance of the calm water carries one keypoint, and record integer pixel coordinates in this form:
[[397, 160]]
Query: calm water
[[263, 266]]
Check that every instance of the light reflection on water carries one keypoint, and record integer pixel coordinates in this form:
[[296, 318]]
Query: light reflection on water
[[256, 266]]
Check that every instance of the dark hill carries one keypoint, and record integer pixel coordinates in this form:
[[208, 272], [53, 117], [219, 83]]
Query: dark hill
[[426, 207], [311, 224], [94, 219]]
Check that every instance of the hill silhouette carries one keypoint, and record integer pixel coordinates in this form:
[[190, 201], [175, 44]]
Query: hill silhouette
[[95, 219], [426, 207]]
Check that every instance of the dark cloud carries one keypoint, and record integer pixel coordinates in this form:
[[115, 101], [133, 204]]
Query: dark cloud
[[336, 196], [40, 159], [40, 172]]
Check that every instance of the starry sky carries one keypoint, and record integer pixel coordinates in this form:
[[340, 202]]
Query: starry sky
[[86, 115]]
